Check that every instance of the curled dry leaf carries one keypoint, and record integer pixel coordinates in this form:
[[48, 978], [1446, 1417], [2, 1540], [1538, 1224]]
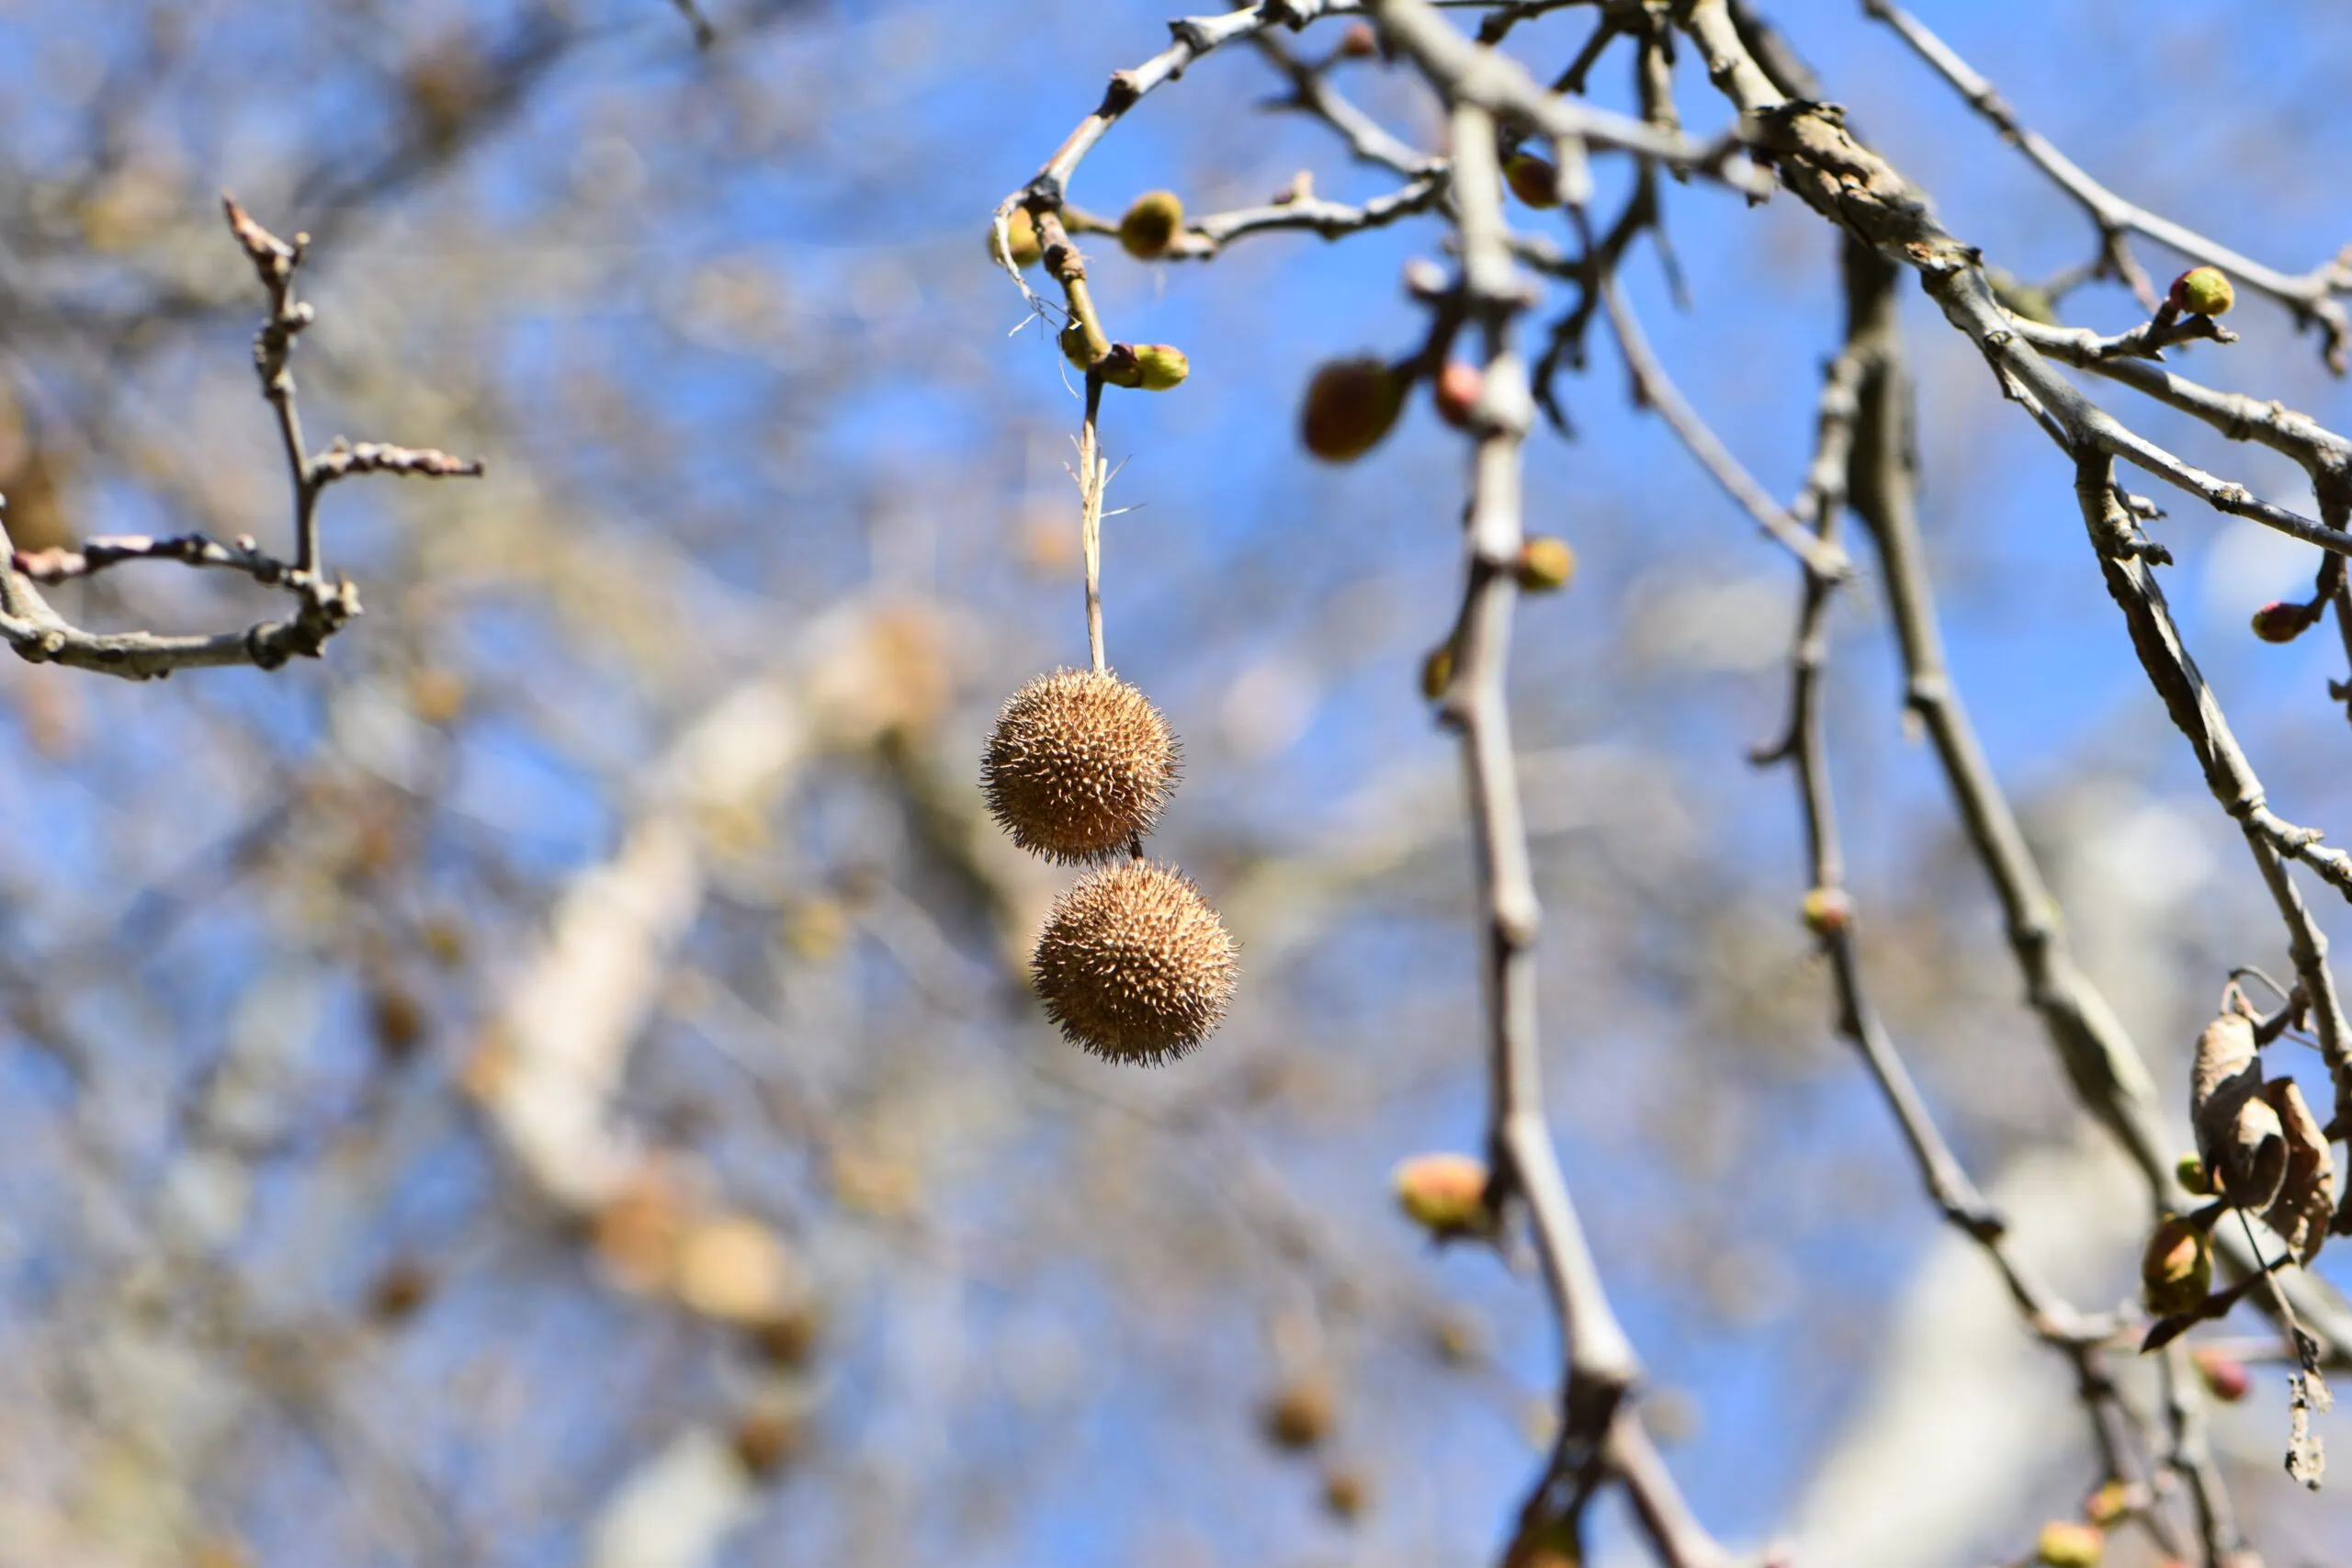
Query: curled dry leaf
[[2238, 1136], [2306, 1196], [2226, 1072], [2254, 1160]]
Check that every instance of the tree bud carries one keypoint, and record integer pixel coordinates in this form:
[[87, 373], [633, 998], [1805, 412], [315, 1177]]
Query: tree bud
[[1151, 225], [2283, 620], [1023, 230], [2225, 1376], [2177, 1273], [1533, 179], [1350, 404], [1545, 564], [2202, 291], [2069, 1543], [1455, 392], [1445, 1194], [1160, 365]]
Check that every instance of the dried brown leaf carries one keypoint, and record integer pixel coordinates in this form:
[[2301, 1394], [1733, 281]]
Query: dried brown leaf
[[2306, 1195]]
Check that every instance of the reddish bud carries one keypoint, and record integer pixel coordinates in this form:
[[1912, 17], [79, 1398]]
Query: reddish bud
[[2225, 1376], [1358, 42], [1455, 392], [2107, 1505]]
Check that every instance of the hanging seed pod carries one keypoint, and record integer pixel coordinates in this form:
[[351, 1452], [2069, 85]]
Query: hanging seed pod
[[1134, 965], [2306, 1197], [1079, 766]]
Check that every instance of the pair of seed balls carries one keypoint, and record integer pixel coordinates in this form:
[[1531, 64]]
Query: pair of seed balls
[[1132, 964]]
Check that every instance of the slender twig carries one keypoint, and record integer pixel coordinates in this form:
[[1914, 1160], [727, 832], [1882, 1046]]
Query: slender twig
[[1599, 1437], [2080, 1338], [2312, 297], [1655, 389], [40, 635]]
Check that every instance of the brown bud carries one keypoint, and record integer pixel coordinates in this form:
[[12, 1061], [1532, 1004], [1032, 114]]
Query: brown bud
[[2225, 1376], [1455, 392], [2202, 291], [764, 1440], [1358, 42], [1533, 179], [1023, 230], [1301, 1412], [1134, 965], [1350, 404], [2284, 620], [2177, 1271], [398, 1019], [1080, 765], [399, 1292], [1445, 1194], [1346, 1492], [1437, 672], [1545, 564], [2070, 1543], [1150, 226]]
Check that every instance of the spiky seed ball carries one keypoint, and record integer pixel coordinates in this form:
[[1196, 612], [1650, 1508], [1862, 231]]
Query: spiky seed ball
[[1350, 404], [1080, 763], [2203, 291], [1022, 229], [1134, 965], [1150, 226]]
